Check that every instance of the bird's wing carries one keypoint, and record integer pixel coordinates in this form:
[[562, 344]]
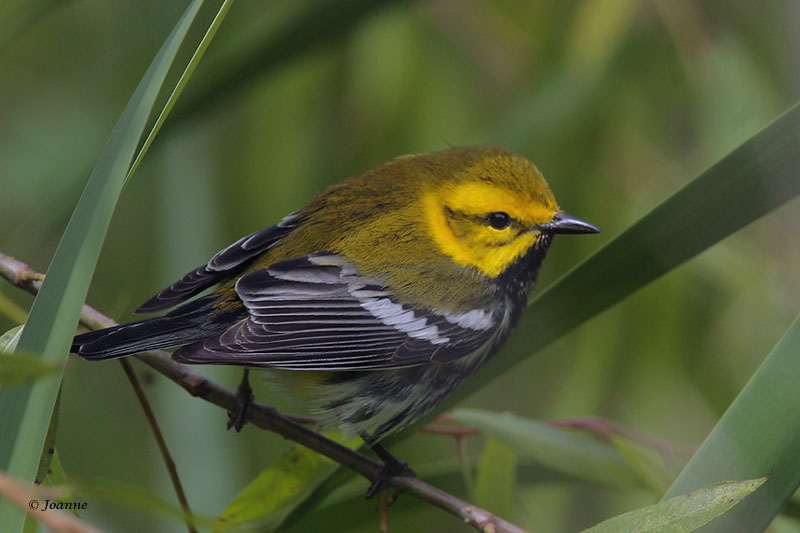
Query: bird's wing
[[316, 313], [223, 265]]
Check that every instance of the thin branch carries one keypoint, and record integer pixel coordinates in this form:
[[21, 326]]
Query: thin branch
[[162, 444], [383, 511], [268, 418]]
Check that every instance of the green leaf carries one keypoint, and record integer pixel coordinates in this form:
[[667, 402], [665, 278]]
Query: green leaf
[[16, 368], [54, 315], [564, 451], [329, 476], [496, 478], [757, 435], [9, 339], [49, 443], [274, 487], [55, 475], [683, 513], [329, 481]]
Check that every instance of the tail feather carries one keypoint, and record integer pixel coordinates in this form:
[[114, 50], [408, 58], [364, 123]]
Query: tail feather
[[195, 321], [128, 339]]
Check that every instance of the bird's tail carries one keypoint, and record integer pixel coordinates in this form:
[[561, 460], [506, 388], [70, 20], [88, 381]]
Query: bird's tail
[[189, 323]]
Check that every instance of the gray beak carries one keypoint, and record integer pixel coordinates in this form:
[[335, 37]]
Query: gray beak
[[564, 223]]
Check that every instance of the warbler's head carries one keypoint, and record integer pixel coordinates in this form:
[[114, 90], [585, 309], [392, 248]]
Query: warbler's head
[[416, 221], [486, 207]]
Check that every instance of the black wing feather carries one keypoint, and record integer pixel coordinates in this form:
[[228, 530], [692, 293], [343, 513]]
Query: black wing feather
[[316, 313], [223, 265]]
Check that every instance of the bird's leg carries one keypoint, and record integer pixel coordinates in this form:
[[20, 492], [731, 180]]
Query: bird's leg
[[244, 397], [391, 466]]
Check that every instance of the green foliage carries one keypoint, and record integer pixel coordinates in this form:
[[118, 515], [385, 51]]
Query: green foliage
[[54, 315], [757, 434], [9, 339], [17, 368], [55, 475], [617, 101], [683, 513], [578, 455], [267, 493]]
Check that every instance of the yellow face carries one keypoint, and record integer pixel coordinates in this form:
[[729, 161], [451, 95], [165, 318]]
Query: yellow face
[[482, 225]]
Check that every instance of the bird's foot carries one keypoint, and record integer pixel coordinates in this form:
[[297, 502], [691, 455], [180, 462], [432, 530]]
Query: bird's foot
[[244, 397], [391, 467]]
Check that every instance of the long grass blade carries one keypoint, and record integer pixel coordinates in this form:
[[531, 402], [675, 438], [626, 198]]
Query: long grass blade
[[758, 435], [184, 79], [51, 324]]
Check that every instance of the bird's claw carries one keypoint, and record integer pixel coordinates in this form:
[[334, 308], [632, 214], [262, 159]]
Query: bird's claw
[[392, 467], [237, 417]]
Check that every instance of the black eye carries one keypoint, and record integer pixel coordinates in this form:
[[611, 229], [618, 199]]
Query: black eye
[[498, 220]]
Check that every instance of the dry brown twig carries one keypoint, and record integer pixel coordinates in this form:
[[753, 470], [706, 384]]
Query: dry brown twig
[[268, 418], [383, 511], [162, 444]]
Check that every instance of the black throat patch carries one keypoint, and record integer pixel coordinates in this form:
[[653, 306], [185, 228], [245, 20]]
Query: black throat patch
[[519, 280]]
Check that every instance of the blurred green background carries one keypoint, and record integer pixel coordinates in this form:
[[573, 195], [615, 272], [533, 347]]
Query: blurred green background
[[619, 102]]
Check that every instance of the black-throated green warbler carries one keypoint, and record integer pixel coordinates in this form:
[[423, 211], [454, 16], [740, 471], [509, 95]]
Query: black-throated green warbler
[[382, 294]]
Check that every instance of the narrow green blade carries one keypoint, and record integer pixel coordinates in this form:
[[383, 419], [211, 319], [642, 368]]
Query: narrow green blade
[[758, 435], [18, 368], [182, 82], [51, 324]]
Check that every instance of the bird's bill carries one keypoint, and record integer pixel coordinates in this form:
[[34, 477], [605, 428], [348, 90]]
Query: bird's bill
[[564, 223]]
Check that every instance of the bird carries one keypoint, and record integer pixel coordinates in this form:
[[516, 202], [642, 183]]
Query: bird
[[376, 299]]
